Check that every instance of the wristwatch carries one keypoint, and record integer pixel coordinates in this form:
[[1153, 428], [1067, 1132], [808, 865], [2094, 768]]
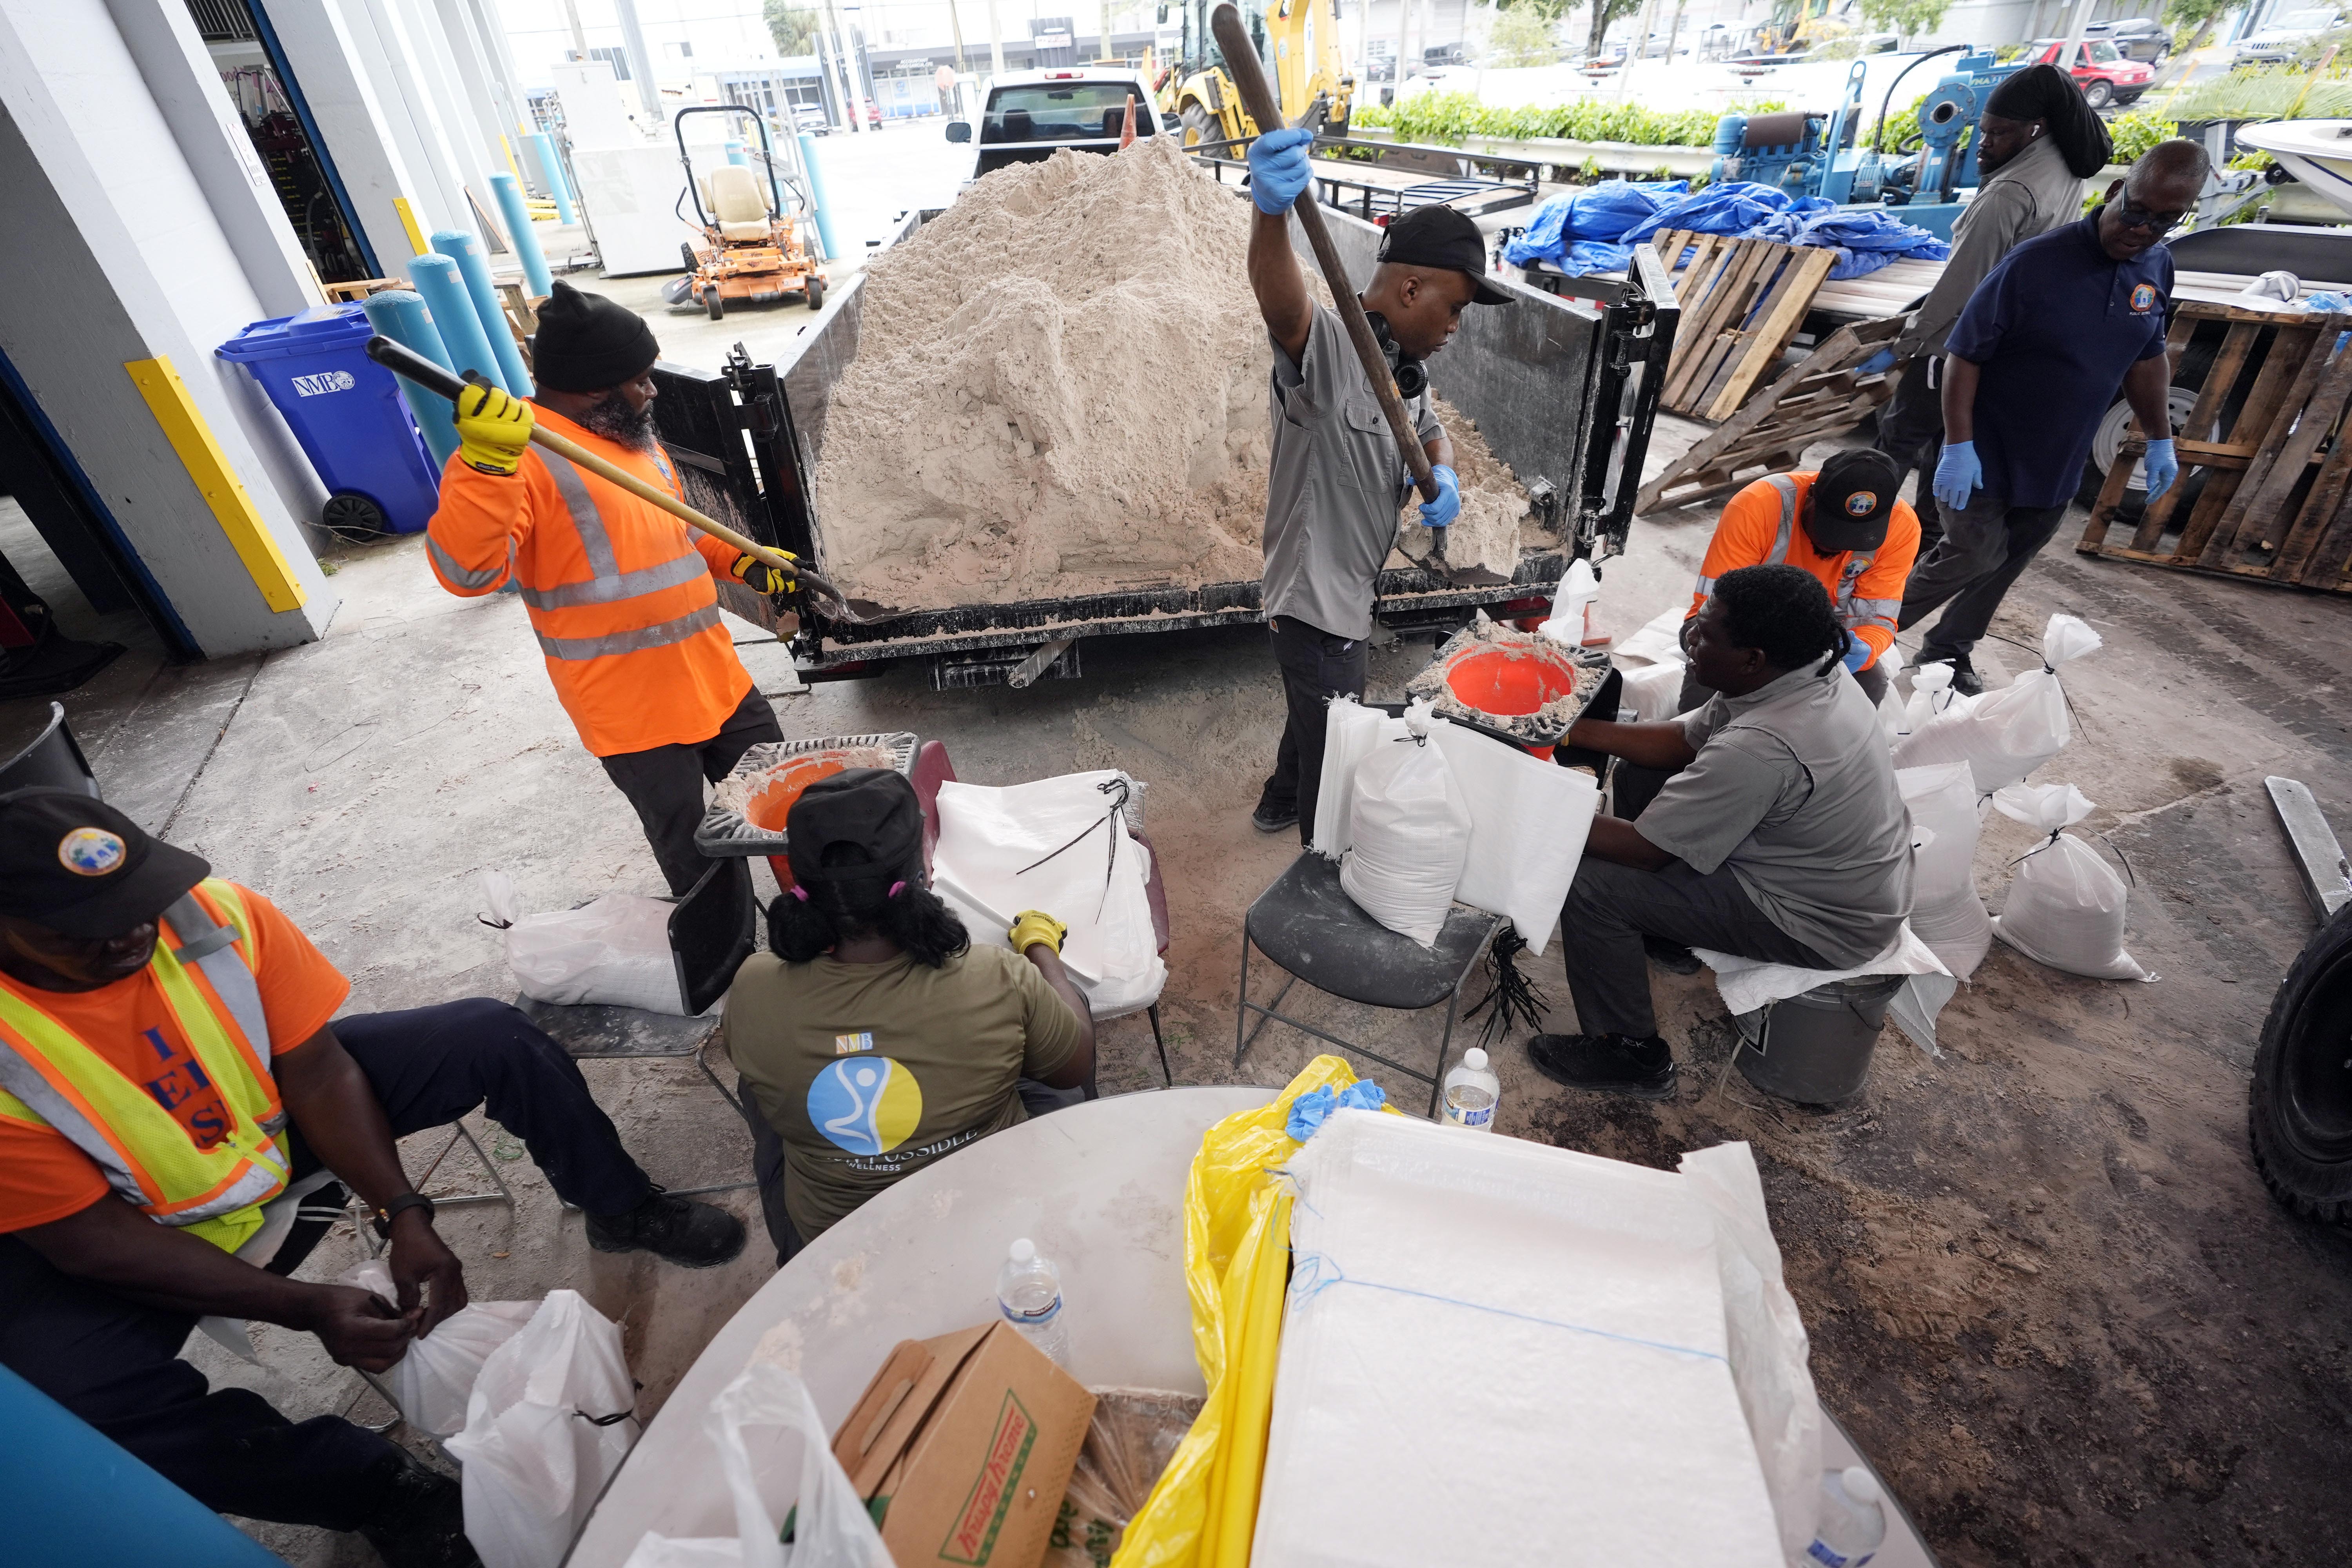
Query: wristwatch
[[392, 1211]]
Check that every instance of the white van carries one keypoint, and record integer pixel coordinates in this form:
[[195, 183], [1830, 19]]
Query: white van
[[1032, 114]]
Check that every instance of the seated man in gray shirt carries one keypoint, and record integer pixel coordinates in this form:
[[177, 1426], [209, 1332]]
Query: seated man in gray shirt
[[1782, 835]]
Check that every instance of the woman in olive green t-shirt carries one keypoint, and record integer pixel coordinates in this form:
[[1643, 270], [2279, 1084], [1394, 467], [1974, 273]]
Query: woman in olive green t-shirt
[[874, 1037]]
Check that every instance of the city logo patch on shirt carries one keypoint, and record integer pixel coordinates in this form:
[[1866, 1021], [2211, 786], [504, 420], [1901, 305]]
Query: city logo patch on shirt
[[2143, 297], [89, 851], [1862, 503], [843, 1045], [865, 1105]]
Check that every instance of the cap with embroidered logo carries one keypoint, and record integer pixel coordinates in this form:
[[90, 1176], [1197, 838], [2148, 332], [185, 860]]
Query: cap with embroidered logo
[[1853, 501], [76, 866]]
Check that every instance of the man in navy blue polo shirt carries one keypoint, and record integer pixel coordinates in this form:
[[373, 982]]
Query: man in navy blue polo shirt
[[2031, 365]]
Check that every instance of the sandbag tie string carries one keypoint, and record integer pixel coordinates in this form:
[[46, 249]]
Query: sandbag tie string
[[1121, 788], [1312, 1273]]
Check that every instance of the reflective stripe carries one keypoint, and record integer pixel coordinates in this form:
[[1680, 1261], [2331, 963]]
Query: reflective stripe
[[1872, 612], [589, 523], [635, 641], [1788, 489], [211, 946], [447, 565], [21, 1079], [671, 573]]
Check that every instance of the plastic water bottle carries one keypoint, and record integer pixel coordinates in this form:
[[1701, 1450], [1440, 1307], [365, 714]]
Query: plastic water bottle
[[1029, 1291], [1471, 1092], [1853, 1522]]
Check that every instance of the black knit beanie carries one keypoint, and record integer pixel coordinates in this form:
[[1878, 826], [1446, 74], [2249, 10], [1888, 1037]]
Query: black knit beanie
[[587, 343]]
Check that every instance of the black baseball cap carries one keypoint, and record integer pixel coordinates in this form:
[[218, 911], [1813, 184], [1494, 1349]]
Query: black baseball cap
[[1853, 501], [83, 869], [1437, 235], [873, 808]]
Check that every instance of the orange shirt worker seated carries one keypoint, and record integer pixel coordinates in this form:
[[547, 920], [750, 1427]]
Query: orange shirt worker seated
[[619, 591], [876, 1037], [171, 1091]]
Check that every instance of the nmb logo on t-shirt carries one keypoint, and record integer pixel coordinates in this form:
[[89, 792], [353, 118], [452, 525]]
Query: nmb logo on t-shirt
[[325, 381]]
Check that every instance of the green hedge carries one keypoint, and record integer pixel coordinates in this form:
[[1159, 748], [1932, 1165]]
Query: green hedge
[[1448, 119]]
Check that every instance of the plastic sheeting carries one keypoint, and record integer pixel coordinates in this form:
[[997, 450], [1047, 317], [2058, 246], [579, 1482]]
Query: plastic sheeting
[[1564, 229], [1594, 230], [1865, 238]]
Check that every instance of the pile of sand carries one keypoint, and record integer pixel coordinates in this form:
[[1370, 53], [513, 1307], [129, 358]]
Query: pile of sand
[[1060, 388]]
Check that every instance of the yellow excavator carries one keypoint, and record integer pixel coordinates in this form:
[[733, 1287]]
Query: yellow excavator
[[1298, 40]]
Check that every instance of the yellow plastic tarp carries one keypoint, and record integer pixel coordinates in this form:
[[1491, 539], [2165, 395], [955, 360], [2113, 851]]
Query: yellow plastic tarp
[[1236, 1267]]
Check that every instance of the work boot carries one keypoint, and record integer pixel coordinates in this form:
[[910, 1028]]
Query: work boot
[[1269, 819], [1607, 1064], [1671, 956], [1965, 679], [688, 1234], [422, 1522]]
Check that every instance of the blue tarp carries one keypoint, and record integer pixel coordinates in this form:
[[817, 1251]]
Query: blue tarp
[[1593, 231]]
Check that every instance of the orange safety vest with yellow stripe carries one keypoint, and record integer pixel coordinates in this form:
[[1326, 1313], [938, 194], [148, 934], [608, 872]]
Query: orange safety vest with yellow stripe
[[50, 1078], [1865, 586]]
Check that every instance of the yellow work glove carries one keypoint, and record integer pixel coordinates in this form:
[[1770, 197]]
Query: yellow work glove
[[1033, 926], [492, 429], [759, 576]]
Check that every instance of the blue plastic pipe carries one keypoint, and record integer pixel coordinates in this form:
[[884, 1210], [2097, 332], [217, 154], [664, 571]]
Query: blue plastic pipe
[[402, 317], [816, 197], [435, 277], [551, 168], [536, 278], [72, 1495], [474, 267], [735, 153]]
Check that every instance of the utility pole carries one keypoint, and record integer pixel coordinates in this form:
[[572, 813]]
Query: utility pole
[[641, 63], [955, 25], [995, 42], [854, 93], [579, 33], [1102, 50]]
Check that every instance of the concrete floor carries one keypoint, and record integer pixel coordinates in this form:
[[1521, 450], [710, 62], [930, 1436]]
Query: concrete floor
[[2047, 1293]]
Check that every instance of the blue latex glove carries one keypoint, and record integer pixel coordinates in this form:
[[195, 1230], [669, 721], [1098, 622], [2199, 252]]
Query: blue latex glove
[[1857, 655], [1278, 171], [1875, 362], [1959, 474], [2163, 466], [1441, 512], [1311, 1109]]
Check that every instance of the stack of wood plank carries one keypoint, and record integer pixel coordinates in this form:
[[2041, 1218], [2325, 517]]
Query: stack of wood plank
[[1742, 300], [1823, 396], [2265, 484]]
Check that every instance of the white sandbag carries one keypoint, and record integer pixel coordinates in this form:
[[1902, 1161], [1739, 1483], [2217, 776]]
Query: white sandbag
[[1528, 818], [1750, 984], [2006, 734], [1351, 730], [997, 855], [434, 1381], [1659, 642], [551, 1419], [1931, 694], [2065, 906], [755, 1424], [1945, 912], [1409, 836], [1651, 693], [1573, 598], [1917, 1005], [1768, 1345], [614, 949]]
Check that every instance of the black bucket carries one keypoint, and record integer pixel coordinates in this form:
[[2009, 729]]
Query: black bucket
[[1815, 1048]]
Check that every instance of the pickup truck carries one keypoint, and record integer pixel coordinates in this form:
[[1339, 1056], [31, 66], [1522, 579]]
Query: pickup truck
[[1031, 115]]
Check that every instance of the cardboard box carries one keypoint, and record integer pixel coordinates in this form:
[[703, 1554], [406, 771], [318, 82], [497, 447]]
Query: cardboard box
[[967, 1440]]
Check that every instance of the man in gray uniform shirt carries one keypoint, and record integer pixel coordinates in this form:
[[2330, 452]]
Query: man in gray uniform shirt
[[1782, 835], [1334, 480], [2037, 142]]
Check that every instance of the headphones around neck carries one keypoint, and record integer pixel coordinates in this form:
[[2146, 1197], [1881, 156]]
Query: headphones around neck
[[1411, 379]]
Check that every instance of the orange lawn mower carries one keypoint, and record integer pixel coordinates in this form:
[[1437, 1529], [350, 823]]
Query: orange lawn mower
[[752, 250]]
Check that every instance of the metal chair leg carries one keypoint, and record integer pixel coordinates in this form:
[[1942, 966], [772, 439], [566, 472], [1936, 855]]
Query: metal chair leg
[[1453, 1006], [1153, 1013], [1240, 1008]]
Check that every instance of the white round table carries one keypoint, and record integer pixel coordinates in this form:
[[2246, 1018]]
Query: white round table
[[1099, 1187]]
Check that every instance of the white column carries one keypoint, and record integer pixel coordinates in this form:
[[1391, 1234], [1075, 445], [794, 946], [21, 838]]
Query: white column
[[338, 81], [112, 255]]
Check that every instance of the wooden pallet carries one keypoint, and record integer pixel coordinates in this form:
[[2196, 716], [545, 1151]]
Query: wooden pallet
[[1821, 397], [2277, 502], [1742, 300]]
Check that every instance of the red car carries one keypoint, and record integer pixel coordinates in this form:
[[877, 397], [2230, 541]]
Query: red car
[[874, 113], [2102, 71]]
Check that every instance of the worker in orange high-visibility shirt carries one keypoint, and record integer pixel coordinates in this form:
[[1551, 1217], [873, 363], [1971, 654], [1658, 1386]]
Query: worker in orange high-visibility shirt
[[1844, 526], [619, 591]]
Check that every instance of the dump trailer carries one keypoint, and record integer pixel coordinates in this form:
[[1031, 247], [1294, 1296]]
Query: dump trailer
[[1563, 392]]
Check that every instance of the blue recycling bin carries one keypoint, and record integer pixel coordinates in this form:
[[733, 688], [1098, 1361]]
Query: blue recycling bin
[[345, 409]]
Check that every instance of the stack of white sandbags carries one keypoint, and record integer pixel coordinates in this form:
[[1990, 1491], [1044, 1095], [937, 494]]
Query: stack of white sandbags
[[1498, 1353], [2002, 735]]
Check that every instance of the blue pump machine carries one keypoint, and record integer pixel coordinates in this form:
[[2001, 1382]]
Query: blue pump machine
[[1810, 154]]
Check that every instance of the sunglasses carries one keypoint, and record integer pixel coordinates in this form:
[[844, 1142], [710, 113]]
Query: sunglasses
[[2131, 214]]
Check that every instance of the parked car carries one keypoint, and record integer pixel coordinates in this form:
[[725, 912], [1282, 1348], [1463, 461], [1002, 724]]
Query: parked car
[[2284, 38], [809, 117], [2141, 38], [1030, 115], [2100, 70], [873, 115], [1446, 55], [1848, 49]]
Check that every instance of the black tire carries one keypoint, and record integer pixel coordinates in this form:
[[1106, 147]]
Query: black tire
[[685, 249], [2098, 94], [816, 292], [351, 516], [1200, 127], [2300, 1117], [713, 303]]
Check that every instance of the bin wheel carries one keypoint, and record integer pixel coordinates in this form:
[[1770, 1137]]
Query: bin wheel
[[713, 303], [354, 517], [816, 292]]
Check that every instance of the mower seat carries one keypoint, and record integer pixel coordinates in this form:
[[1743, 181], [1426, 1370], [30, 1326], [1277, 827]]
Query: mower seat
[[736, 202]]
